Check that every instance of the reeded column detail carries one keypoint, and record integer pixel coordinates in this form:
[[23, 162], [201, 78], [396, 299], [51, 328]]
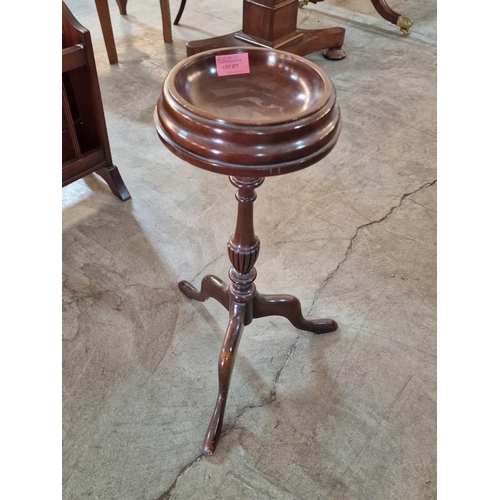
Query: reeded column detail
[[243, 246]]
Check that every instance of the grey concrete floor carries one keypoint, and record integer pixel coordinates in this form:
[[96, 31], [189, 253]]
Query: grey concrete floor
[[347, 415]]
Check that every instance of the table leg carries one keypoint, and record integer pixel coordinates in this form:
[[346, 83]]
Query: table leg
[[226, 362], [404, 23]]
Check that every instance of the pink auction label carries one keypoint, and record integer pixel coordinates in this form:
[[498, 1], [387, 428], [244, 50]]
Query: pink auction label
[[232, 64]]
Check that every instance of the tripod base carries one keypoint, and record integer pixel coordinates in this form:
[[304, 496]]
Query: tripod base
[[241, 313]]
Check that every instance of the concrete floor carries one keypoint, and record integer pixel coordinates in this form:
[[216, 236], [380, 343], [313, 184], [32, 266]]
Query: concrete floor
[[347, 415]]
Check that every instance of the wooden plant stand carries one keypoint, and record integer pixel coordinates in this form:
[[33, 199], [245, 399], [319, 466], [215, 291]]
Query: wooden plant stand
[[247, 126]]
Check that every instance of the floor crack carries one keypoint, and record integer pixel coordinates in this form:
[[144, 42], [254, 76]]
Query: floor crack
[[271, 399], [278, 375], [363, 226], [208, 265], [168, 493], [272, 395]]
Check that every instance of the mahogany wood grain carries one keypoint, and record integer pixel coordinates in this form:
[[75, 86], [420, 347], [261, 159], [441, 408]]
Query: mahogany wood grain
[[286, 102]]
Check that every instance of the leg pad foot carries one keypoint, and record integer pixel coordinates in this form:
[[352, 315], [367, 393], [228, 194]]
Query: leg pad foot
[[334, 54]]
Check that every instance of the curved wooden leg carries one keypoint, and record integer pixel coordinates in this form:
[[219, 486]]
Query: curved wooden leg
[[179, 14], [226, 362], [122, 6], [211, 286], [404, 23], [289, 307], [115, 182]]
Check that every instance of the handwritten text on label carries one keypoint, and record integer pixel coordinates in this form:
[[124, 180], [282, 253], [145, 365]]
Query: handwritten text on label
[[232, 64]]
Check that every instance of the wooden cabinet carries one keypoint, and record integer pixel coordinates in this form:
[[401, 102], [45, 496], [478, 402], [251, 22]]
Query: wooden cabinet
[[85, 143]]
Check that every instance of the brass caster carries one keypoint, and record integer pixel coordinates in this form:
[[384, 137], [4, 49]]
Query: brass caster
[[404, 23]]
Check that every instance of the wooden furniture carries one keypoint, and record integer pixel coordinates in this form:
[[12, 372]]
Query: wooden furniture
[[273, 24], [279, 117], [102, 7], [404, 23], [85, 144]]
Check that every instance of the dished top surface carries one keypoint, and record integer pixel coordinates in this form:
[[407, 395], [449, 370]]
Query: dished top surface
[[280, 87]]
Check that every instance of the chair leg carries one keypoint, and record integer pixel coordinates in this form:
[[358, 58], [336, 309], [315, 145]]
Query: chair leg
[[165, 20], [179, 14], [122, 7], [404, 23], [107, 29]]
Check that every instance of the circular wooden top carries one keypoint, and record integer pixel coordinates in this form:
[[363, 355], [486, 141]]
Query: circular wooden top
[[279, 117]]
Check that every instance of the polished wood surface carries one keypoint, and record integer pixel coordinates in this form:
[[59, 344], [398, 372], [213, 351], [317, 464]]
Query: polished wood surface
[[273, 24], [85, 144], [280, 117]]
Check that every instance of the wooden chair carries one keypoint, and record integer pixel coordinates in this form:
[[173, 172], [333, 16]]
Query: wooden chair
[[107, 29]]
